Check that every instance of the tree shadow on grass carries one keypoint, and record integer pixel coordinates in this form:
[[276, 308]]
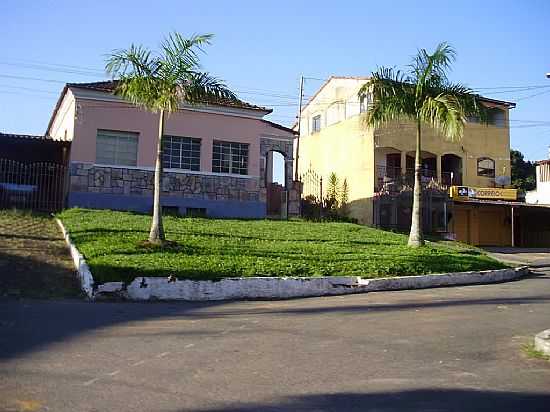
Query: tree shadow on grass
[[414, 400]]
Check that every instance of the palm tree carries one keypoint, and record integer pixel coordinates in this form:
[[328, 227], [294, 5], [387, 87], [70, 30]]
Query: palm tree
[[159, 83], [425, 96]]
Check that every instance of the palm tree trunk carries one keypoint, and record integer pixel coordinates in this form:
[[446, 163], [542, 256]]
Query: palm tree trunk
[[156, 235], [416, 238]]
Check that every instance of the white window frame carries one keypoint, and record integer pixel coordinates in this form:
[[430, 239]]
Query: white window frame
[[231, 153], [177, 159], [484, 170], [313, 120], [121, 155]]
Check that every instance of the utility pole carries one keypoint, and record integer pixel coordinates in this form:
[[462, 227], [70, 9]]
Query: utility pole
[[296, 173]]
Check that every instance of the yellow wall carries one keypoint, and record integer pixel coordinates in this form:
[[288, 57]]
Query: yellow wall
[[348, 149], [478, 141]]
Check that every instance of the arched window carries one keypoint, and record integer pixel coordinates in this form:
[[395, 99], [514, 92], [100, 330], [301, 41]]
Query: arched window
[[485, 167]]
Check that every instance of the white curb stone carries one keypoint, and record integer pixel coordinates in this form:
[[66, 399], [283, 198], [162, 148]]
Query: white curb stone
[[542, 342], [82, 269], [155, 288]]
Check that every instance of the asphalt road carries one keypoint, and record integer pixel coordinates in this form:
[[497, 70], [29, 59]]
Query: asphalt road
[[448, 349]]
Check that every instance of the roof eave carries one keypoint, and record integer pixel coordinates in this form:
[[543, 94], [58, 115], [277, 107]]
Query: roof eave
[[56, 108]]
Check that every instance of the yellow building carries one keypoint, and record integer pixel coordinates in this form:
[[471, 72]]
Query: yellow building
[[380, 162]]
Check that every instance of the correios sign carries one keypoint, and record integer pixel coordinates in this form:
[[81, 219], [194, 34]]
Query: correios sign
[[493, 193]]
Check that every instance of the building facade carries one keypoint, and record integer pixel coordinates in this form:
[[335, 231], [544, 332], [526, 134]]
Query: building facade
[[541, 195], [216, 156], [378, 163]]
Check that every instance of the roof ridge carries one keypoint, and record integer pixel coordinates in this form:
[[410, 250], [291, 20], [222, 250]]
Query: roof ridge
[[108, 86]]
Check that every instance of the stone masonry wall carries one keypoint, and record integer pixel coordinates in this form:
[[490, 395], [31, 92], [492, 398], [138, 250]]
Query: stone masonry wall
[[99, 179]]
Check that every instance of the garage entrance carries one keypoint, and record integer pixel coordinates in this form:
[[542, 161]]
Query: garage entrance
[[499, 223]]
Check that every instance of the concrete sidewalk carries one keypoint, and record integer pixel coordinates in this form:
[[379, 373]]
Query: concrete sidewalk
[[521, 256]]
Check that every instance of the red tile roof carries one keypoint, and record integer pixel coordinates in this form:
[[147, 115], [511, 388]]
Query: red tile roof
[[109, 87]]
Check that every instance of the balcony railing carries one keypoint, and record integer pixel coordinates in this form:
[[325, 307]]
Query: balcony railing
[[392, 179]]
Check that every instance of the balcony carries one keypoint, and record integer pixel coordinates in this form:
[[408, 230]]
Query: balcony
[[392, 180]]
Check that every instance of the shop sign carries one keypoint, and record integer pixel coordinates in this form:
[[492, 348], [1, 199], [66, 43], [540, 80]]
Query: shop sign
[[493, 193]]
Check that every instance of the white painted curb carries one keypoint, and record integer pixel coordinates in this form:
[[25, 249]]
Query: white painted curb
[[83, 271], [542, 342], [156, 288]]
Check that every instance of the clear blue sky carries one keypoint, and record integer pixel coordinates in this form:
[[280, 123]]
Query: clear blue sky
[[262, 47]]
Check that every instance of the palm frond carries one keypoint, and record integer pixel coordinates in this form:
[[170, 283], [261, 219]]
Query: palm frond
[[392, 97], [470, 102], [444, 113], [181, 53], [204, 88], [135, 60], [431, 69], [160, 82]]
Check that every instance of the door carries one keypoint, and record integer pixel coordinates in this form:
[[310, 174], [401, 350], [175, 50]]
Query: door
[[274, 199], [462, 222]]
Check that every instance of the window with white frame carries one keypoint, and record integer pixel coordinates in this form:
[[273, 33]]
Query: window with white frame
[[181, 153], [485, 167], [230, 157], [365, 102], [316, 124], [116, 148]]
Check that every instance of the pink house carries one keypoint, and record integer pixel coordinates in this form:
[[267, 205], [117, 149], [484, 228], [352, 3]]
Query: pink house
[[217, 157]]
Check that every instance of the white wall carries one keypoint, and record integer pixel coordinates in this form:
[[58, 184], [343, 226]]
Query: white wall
[[542, 194]]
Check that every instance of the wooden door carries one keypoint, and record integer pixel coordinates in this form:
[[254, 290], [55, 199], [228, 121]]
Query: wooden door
[[462, 223], [274, 197]]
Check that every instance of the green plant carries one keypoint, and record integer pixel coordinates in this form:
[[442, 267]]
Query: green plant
[[331, 201], [523, 172], [344, 198], [530, 350], [159, 83], [424, 96]]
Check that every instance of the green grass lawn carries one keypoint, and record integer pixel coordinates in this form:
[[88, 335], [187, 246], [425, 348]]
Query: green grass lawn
[[216, 248]]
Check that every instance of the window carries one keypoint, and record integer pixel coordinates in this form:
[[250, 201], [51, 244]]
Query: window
[[485, 167], [230, 157], [116, 148], [497, 117], [364, 103], [181, 153], [316, 124]]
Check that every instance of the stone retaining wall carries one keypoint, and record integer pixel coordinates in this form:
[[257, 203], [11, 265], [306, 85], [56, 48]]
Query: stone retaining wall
[[89, 178]]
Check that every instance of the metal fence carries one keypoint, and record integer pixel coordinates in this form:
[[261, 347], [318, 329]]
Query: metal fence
[[35, 186], [312, 185], [393, 180]]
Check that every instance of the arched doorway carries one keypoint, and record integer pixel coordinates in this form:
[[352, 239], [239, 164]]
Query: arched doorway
[[451, 170], [276, 178]]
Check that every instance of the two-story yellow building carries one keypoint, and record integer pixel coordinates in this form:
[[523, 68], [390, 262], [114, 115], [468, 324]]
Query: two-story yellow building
[[378, 164]]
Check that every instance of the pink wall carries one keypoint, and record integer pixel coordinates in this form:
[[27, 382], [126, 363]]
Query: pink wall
[[94, 115]]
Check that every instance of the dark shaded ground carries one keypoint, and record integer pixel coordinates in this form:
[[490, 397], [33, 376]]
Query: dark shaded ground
[[449, 349], [34, 260]]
